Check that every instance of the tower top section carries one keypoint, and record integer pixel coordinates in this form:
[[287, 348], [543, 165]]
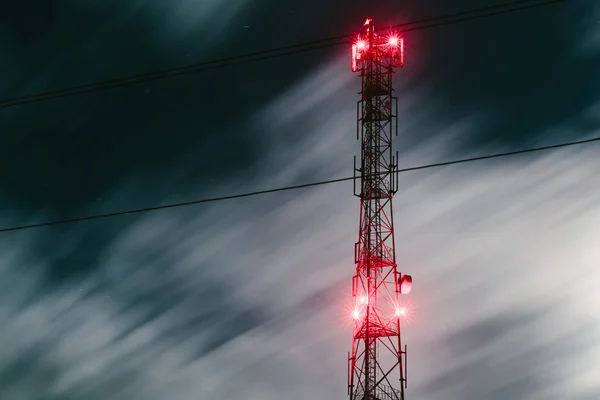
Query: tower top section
[[369, 46]]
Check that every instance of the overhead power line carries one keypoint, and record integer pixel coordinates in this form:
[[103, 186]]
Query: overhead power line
[[287, 188], [447, 19]]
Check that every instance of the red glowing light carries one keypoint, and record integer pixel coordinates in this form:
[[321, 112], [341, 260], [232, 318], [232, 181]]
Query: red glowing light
[[405, 284], [356, 314], [368, 44], [400, 311], [401, 53], [357, 53], [354, 56]]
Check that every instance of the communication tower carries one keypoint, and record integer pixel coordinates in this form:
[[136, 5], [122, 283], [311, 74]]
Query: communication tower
[[377, 362]]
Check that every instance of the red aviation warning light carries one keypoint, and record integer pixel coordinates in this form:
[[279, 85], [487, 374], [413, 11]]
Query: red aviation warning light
[[405, 282], [400, 312], [390, 47], [358, 50]]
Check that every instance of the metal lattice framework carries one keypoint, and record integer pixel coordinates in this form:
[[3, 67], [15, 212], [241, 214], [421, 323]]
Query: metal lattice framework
[[376, 288]]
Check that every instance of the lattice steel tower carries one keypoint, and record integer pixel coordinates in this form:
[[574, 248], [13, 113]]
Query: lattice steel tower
[[377, 351]]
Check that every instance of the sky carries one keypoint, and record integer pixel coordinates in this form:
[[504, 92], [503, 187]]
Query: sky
[[245, 298]]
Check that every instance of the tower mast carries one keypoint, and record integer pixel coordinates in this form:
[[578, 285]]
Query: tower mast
[[377, 351]]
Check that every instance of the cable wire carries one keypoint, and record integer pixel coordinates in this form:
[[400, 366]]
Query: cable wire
[[271, 53], [286, 188]]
